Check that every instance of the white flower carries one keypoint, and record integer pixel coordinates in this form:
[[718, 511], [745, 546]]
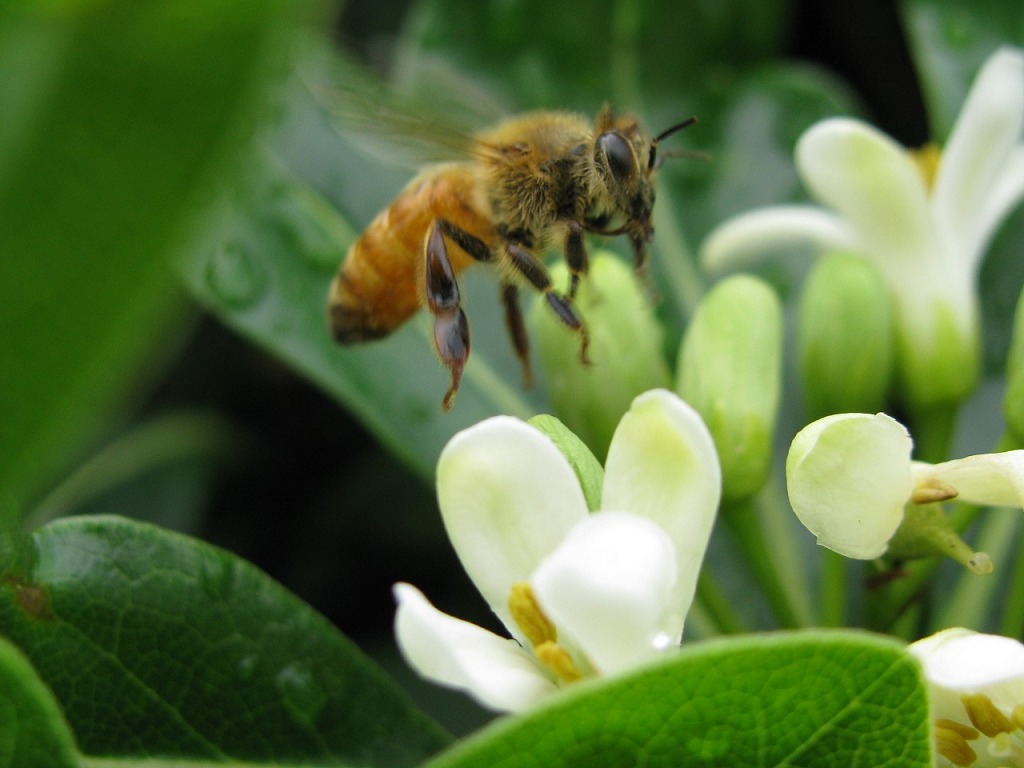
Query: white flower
[[924, 233], [976, 688], [850, 478], [581, 593]]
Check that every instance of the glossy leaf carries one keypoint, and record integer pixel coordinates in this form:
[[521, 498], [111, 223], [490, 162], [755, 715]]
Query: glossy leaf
[[120, 115], [33, 732], [808, 699], [157, 644]]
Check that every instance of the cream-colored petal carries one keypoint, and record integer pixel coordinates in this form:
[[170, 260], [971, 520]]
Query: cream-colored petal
[[662, 465], [989, 126], [742, 239], [494, 670], [960, 661], [508, 497], [994, 479], [870, 181], [610, 588], [849, 477], [1004, 195]]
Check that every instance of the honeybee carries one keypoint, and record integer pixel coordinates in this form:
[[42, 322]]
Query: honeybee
[[532, 181]]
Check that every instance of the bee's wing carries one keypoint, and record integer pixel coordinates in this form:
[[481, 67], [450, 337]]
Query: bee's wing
[[434, 122]]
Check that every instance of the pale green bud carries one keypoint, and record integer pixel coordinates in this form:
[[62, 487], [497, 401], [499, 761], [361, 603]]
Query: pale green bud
[[625, 350], [1013, 400], [844, 338], [730, 372]]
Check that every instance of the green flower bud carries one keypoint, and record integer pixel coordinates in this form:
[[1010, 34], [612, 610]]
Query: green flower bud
[[730, 372], [844, 338], [625, 350], [1013, 400]]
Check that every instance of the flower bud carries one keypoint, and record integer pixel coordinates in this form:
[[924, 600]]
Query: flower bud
[[730, 372], [1013, 400], [625, 350], [844, 338]]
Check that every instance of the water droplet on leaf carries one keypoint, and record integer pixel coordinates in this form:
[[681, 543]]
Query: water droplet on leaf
[[301, 694], [235, 277]]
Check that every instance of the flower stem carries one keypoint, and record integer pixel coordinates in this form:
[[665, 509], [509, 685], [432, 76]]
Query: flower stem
[[717, 606], [766, 561], [833, 589]]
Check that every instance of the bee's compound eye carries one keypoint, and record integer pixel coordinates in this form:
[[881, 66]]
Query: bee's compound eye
[[619, 154]]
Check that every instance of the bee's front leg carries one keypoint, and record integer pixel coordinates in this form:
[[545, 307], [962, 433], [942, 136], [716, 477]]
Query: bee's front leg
[[530, 267], [451, 329]]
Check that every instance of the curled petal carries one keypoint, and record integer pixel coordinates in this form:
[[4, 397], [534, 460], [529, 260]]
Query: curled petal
[[868, 178], [958, 661], [496, 671], [609, 587], [988, 128], [757, 233], [994, 479], [508, 497], [662, 465], [849, 477]]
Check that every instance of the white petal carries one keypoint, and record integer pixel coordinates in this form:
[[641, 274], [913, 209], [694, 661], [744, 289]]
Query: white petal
[[508, 497], [609, 587], [849, 477], [1005, 193], [662, 465], [958, 661], [988, 128], [758, 233], [871, 182], [995, 479], [496, 671]]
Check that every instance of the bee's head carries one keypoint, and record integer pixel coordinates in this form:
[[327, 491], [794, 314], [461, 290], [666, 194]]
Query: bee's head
[[626, 160]]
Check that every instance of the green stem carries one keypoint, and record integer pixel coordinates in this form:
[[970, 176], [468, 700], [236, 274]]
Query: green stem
[[1011, 623], [746, 525], [933, 429], [717, 607], [833, 589]]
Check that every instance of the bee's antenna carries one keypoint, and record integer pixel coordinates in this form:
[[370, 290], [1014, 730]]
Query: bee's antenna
[[665, 134]]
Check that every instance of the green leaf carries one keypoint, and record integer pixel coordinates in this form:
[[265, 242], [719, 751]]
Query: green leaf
[[586, 466], [157, 644], [809, 699], [120, 116], [33, 733]]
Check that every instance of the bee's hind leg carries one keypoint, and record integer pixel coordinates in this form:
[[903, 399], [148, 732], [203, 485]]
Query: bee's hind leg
[[575, 256], [526, 264], [451, 329]]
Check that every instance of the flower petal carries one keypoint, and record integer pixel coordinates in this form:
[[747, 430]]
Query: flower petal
[[988, 127], [959, 661], [757, 233], [662, 465], [508, 497], [496, 671], [609, 587], [871, 182], [849, 477], [995, 479]]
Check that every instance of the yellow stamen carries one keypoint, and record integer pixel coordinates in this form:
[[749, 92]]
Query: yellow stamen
[[962, 728], [954, 747], [985, 716], [527, 614], [926, 160], [1018, 715], [931, 490], [558, 660]]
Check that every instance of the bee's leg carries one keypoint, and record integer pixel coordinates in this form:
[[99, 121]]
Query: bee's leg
[[639, 243], [451, 330], [575, 256], [526, 264], [517, 329], [474, 246]]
